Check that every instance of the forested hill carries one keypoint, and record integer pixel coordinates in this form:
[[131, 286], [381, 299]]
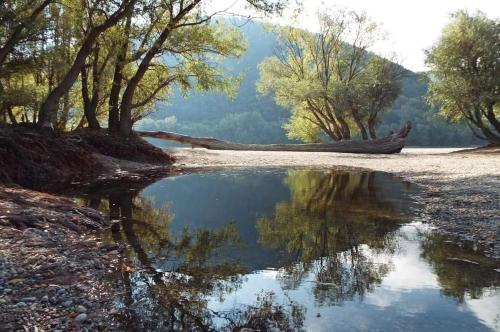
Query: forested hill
[[252, 118]]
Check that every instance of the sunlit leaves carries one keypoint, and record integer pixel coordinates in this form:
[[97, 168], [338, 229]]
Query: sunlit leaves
[[465, 72], [329, 80]]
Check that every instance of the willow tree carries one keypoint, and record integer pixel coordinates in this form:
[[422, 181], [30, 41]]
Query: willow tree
[[104, 14], [36, 62], [69, 63], [186, 54], [179, 44], [17, 20], [465, 73], [329, 79]]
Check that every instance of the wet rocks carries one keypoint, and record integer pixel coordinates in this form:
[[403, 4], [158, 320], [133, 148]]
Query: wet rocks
[[81, 318], [51, 282], [465, 209], [80, 309]]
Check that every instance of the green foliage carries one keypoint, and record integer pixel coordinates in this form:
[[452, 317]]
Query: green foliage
[[68, 59], [254, 118], [329, 80], [465, 73], [299, 128]]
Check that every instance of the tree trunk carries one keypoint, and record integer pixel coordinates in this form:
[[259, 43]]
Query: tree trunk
[[90, 114], [96, 82], [359, 124], [114, 96], [371, 127], [128, 94], [11, 116], [344, 127], [346, 132], [488, 134], [48, 110], [490, 115], [390, 144], [63, 120]]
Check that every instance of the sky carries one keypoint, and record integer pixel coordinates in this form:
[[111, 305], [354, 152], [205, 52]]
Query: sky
[[410, 26]]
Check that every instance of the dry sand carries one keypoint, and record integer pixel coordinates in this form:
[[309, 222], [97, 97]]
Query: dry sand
[[436, 164], [461, 191]]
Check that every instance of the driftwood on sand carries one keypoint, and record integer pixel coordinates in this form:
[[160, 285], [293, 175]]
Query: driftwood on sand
[[393, 143]]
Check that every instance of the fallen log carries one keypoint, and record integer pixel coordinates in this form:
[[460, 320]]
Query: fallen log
[[393, 143]]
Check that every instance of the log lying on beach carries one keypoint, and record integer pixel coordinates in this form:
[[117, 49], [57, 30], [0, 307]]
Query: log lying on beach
[[393, 143]]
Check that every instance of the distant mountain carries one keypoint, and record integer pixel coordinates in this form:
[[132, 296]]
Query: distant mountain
[[252, 118]]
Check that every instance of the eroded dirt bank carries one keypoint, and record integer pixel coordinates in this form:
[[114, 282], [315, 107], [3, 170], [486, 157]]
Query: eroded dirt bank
[[53, 268], [461, 193]]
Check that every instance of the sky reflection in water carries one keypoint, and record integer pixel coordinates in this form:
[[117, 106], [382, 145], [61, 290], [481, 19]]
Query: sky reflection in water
[[316, 250]]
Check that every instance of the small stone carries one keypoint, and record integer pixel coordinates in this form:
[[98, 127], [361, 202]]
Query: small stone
[[28, 299], [81, 318], [80, 309], [34, 231], [20, 304], [67, 303], [44, 299]]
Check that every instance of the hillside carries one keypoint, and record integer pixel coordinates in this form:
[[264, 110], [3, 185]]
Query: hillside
[[252, 118]]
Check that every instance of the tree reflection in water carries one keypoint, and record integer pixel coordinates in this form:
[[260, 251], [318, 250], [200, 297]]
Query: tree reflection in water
[[461, 270], [337, 231], [177, 300], [334, 226]]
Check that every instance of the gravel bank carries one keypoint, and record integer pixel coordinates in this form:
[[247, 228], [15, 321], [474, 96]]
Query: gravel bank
[[461, 193], [53, 269]]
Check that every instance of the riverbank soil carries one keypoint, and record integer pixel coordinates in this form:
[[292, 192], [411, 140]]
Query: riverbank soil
[[53, 269], [42, 160], [461, 189]]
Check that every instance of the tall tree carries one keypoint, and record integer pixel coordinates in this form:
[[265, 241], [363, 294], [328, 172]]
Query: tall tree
[[465, 73], [127, 53], [172, 20], [110, 15], [323, 78]]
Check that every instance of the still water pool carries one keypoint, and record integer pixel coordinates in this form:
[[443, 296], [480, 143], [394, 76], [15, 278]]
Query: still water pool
[[292, 250]]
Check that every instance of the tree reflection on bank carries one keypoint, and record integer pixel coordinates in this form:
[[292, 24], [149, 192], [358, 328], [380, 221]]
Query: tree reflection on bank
[[178, 273], [337, 225]]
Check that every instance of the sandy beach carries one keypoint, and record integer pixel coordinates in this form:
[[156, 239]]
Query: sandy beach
[[437, 164]]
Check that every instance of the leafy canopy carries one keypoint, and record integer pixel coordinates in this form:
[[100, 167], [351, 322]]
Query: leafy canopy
[[465, 73]]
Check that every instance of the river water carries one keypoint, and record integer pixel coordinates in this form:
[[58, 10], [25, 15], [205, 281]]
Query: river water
[[291, 250]]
